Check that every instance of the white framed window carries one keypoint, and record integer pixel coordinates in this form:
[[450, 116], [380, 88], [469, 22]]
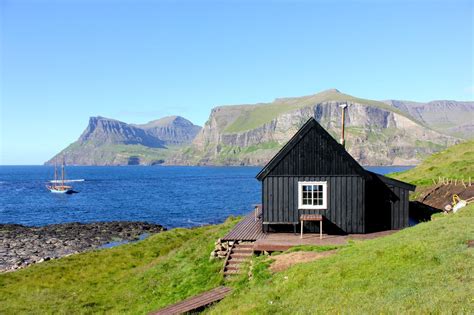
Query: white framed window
[[312, 195]]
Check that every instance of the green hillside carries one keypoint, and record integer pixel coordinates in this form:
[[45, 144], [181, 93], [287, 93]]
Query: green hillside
[[135, 278], [253, 116], [424, 269], [456, 162]]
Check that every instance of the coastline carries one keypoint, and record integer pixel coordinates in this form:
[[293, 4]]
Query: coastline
[[21, 246]]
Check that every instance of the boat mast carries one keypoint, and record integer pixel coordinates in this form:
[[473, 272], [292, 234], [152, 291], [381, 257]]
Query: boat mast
[[62, 174], [55, 171]]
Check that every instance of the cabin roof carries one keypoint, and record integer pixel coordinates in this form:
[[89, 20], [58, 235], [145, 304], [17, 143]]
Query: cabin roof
[[310, 124], [394, 182]]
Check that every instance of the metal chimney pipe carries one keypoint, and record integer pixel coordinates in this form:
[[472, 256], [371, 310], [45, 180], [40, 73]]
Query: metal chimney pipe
[[343, 141]]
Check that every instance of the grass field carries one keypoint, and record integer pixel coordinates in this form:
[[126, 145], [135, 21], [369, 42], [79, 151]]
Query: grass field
[[424, 269], [456, 162], [135, 278]]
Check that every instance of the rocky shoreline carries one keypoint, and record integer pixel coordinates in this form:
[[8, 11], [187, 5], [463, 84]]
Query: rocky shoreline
[[21, 246]]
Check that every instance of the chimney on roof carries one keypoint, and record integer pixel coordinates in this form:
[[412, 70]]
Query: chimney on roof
[[343, 108]]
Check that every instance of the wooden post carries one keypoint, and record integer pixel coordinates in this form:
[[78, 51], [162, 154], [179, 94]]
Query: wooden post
[[301, 228], [321, 229]]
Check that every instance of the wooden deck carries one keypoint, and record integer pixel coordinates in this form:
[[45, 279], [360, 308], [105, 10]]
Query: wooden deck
[[196, 302], [284, 241], [249, 229]]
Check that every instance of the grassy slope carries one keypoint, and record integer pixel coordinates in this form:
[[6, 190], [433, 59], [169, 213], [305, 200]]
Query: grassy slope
[[455, 162], [134, 278], [424, 269], [253, 116]]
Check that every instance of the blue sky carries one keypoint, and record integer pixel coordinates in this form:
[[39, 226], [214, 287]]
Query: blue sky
[[63, 61]]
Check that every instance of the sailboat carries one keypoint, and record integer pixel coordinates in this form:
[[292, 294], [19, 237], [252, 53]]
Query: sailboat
[[57, 185]]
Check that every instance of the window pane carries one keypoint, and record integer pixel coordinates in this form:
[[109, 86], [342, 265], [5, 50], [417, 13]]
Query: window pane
[[312, 195]]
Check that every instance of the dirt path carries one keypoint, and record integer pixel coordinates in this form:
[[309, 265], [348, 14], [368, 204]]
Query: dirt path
[[285, 261]]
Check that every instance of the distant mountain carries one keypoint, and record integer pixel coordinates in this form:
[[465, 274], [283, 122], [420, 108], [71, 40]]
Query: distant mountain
[[173, 130], [450, 117], [105, 131], [111, 142], [377, 133]]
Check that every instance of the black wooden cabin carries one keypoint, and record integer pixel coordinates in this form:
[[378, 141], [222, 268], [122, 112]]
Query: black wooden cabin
[[314, 174]]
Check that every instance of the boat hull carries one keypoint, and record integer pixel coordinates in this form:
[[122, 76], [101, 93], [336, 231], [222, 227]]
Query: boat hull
[[60, 189]]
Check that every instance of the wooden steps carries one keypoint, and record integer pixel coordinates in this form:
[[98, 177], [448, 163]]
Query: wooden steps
[[239, 253], [195, 303]]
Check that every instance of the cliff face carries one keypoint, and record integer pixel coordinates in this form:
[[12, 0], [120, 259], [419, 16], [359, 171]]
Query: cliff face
[[376, 134], [111, 142], [104, 131], [450, 117]]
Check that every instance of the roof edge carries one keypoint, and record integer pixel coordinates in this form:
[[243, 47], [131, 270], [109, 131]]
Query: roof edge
[[311, 122], [394, 182]]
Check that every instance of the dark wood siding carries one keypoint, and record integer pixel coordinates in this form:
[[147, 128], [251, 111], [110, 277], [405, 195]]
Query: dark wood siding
[[315, 153], [358, 201], [345, 204], [399, 209], [386, 207]]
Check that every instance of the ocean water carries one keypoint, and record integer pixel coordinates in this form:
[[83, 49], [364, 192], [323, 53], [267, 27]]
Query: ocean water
[[173, 196]]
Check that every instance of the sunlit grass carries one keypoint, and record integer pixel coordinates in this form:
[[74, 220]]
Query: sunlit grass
[[424, 269], [133, 278], [456, 162]]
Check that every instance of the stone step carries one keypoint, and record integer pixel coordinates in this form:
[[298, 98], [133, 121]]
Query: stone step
[[240, 255], [242, 251], [231, 273], [234, 262], [231, 268]]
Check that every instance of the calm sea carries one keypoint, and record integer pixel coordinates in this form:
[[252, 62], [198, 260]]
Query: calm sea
[[171, 196]]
